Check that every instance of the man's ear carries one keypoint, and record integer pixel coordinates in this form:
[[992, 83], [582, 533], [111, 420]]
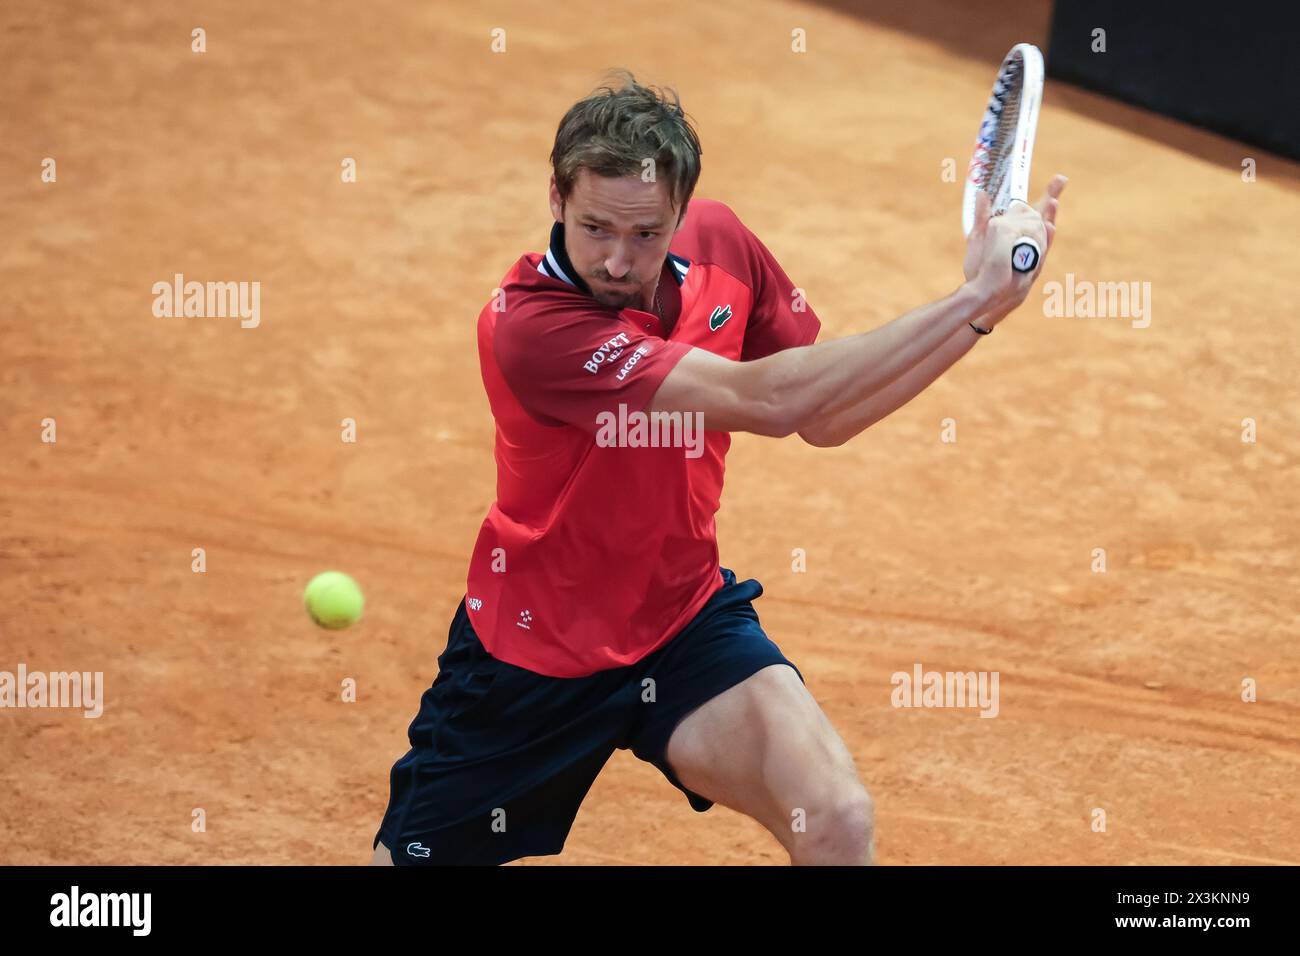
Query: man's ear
[[682, 218], [557, 203]]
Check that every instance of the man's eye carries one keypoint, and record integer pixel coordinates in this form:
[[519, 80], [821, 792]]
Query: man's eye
[[591, 230], [648, 235]]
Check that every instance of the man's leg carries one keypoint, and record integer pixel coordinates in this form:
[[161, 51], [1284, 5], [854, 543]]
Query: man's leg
[[382, 857], [765, 749], [501, 759]]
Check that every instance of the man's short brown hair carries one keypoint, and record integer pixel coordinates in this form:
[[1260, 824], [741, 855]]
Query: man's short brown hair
[[618, 127]]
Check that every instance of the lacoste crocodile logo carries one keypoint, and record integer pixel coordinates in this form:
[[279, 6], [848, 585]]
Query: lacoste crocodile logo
[[719, 317]]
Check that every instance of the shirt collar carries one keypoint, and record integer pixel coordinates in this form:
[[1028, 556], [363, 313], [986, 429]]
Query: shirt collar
[[556, 263]]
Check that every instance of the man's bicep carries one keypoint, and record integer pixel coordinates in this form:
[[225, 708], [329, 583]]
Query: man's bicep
[[728, 394]]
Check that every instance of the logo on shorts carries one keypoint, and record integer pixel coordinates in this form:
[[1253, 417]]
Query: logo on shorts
[[525, 619], [417, 849], [719, 317], [474, 604]]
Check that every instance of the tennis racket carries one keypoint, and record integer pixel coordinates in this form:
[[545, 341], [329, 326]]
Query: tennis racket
[[1005, 145]]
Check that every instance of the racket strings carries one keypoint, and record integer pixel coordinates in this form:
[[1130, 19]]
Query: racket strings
[[998, 139]]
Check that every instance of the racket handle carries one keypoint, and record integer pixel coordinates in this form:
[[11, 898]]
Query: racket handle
[[1025, 255]]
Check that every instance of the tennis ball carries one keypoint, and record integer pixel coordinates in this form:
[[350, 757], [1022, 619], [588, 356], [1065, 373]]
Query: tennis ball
[[333, 600]]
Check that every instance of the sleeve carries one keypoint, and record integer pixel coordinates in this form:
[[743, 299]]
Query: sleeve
[[780, 319], [568, 366]]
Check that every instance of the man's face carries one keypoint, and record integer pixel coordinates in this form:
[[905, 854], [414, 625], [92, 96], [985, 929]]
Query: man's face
[[617, 232]]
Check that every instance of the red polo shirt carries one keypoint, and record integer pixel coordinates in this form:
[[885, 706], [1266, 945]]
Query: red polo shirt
[[596, 554]]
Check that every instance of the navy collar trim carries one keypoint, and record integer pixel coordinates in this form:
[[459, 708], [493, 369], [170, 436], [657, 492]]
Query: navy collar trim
[[556, 263]]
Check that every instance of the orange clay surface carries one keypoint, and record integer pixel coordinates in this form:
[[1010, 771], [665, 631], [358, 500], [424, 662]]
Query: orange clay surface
[[1119, 690]]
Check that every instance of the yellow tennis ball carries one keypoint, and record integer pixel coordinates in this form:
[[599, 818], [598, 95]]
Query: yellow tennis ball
[[333, 600]]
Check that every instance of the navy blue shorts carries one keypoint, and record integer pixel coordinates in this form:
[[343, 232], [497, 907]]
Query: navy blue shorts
[[501, 757]]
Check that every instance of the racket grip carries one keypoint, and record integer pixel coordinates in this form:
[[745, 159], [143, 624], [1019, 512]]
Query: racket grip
[[1025, 255]]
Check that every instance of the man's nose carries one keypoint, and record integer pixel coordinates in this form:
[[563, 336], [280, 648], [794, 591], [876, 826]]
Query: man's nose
[[618, 264]]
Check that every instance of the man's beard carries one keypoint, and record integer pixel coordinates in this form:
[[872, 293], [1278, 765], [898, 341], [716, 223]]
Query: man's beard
[[622, 298]]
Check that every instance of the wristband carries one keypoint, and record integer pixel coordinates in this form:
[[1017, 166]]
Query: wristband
[[978, 329]]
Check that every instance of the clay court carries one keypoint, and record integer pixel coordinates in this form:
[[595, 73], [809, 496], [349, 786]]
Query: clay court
[[1120, 690]]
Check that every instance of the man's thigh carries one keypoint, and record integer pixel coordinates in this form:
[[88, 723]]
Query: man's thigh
[[501, 759], [765, 748], [724, 645]]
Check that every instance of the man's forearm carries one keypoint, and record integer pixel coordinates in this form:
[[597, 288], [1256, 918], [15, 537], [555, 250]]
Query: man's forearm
[[808, 384], [843, 422]]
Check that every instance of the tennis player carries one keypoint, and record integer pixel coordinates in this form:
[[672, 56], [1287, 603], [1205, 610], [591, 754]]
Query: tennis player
[[597, 616]]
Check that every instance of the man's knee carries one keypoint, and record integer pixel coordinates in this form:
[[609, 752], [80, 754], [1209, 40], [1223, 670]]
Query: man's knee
[[841, 834]]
